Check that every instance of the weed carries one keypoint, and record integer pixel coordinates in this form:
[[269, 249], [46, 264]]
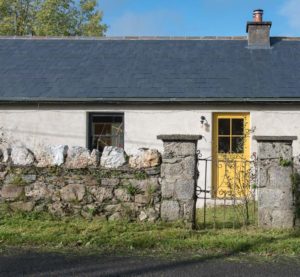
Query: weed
[[131, 189], [91, 211], [17, 180], [140, 175], [150, 193], [284, 162]]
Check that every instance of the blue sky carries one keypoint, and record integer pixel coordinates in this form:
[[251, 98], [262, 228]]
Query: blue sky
[[197, 17]]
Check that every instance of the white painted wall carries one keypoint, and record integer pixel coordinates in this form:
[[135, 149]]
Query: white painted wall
[[35, 125]]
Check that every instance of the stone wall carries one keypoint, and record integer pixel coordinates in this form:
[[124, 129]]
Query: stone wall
[[276, 207], [179, 177], [72, 181]]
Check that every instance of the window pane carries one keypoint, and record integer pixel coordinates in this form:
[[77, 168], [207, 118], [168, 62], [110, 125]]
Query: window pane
[[224, 145], [238, 126], [237, 145], [117, 134], [106, 130], [102, 128], [224, 126], [101, 135]]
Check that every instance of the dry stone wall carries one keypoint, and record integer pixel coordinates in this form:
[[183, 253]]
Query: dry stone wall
[[87, 192], [70, 181]]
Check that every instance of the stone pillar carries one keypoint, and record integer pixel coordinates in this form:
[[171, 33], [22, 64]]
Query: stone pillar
[[179, 178], [275, 190]]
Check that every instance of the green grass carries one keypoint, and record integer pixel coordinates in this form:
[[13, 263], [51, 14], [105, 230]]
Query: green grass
[[49, 234], [227, 216]]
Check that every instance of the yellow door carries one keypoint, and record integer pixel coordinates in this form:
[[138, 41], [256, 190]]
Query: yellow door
[[231, 154]]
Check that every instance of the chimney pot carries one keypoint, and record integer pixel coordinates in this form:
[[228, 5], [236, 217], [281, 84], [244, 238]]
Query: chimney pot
[[258, 15]]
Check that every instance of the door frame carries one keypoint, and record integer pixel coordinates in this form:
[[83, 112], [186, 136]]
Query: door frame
[[214, 167]]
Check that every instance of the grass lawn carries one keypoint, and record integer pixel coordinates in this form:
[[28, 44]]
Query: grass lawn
[[227, 216], [96, 236]]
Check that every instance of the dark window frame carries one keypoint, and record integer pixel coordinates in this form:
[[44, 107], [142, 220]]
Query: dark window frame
[[91, 115]]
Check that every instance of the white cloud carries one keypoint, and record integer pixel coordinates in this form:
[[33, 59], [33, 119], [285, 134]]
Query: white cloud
[[291, 10], [152, 23]]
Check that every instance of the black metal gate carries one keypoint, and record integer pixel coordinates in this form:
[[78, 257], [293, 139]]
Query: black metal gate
[[226, 206]]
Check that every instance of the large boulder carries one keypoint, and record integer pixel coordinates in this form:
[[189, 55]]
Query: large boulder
[[51, 155], [80, 157], [145, 158], [21, 156], [94, 158], [113, 157]]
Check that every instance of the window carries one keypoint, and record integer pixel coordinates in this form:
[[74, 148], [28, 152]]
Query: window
[[105, 129], [230, 135]]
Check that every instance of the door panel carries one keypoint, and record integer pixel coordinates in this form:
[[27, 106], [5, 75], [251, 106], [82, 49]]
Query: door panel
[[231, 154]]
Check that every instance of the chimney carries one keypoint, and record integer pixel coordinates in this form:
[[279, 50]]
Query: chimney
[[258, 31]]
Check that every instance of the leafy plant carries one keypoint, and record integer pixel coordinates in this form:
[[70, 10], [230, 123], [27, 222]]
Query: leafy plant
[[254, 186], [284, 162]]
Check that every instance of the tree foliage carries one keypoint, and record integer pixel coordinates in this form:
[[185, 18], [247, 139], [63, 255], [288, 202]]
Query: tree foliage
[[51, 18]]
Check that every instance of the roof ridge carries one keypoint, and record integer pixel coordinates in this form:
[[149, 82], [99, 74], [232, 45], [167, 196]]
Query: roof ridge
[[127, 38], [285, 38]]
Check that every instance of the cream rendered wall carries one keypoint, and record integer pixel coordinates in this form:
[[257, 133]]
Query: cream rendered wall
[[37, 125]]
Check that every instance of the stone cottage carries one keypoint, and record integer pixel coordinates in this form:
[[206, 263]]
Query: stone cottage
[[125, 91]]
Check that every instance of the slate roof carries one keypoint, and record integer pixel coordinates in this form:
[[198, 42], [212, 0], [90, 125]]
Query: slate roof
[[142, 69]]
